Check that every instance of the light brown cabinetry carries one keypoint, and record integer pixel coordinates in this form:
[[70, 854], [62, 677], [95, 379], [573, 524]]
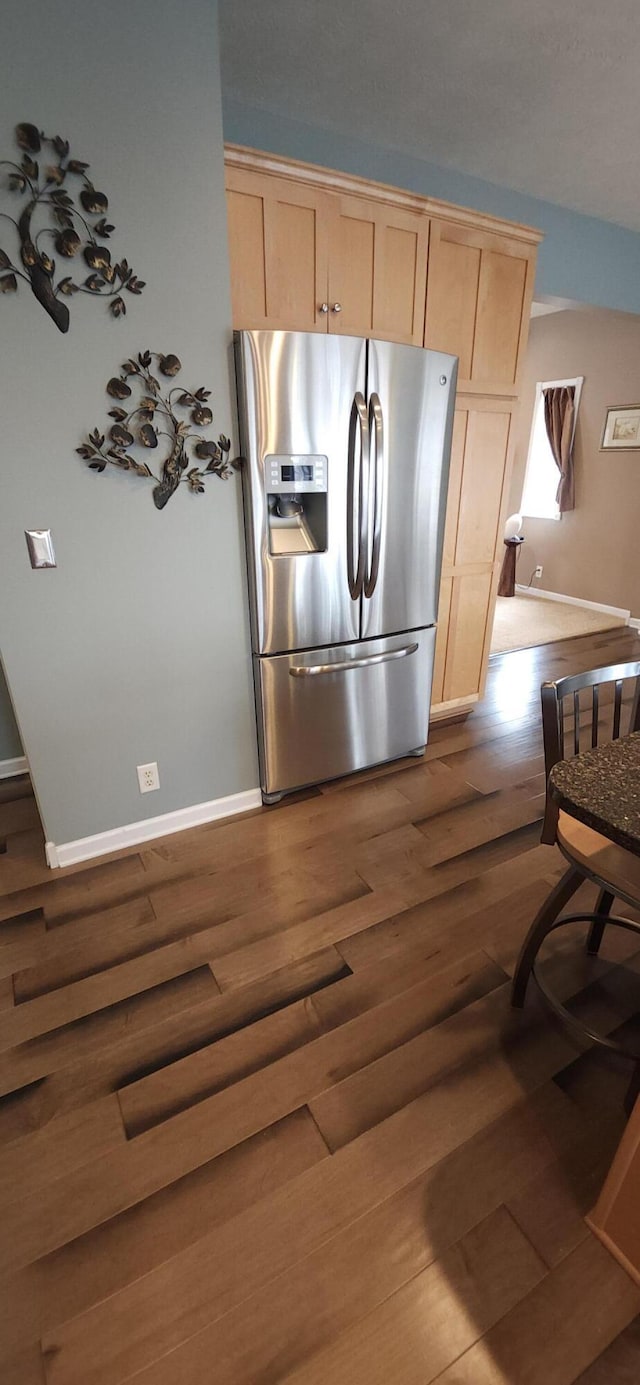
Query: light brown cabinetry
[[278, 251], [480, 285], [377, 270], [308, 261], [473, 543], [314, 250], [480, 453]]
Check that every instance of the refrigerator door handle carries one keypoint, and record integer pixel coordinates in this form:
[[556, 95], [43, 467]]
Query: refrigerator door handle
[[312, 670], [376, 428], [358, 422]]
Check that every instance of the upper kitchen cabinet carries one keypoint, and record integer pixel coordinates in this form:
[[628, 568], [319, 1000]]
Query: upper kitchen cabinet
[[478, 300], [377, 270], [278, 252], [304, 258], [320, 251]]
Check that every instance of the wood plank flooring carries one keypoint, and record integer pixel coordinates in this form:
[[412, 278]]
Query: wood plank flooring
[[266, 1114]]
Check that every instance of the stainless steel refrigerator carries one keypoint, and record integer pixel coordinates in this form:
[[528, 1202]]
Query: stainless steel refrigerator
[[346, 445]]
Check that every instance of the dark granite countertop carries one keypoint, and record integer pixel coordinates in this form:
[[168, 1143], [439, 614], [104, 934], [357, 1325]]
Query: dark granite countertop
[[602, 788]]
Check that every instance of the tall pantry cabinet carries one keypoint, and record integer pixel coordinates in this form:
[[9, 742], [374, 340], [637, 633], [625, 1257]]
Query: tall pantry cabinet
[[318, 251]]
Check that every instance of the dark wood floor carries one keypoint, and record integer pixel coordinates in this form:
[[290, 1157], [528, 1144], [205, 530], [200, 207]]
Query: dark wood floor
[[266, 1114]]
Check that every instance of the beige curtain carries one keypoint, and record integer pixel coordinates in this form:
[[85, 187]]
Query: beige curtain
[[559, 414]]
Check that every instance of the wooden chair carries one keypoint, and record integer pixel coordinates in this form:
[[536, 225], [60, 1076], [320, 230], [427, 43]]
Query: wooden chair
[[590, 855]]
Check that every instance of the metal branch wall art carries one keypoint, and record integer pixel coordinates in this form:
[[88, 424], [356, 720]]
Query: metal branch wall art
[[73, 231], [153, 411]]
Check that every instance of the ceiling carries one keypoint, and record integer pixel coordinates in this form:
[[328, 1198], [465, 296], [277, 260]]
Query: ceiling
[[538, 95]]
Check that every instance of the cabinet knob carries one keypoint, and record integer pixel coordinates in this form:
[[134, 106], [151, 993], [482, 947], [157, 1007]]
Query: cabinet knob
[[324, 307], [337, 308]]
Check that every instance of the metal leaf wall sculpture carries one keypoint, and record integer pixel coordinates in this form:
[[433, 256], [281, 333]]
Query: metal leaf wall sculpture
[[153, 411], [76, 231]]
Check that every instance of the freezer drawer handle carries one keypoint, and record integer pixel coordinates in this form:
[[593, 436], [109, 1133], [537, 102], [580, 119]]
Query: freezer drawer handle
[[312, 670]]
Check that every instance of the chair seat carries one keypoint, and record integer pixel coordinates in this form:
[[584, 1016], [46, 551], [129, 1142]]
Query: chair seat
[[601, 857]]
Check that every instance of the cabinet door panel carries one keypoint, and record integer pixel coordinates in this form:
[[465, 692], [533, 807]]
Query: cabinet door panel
[[400, 274], [500, 302], [351, 261], [296, 257], [485, 457], [479, 466], [292, 263], [458, 442], [478, 295], [377, 270], [245, 214], [452, 294], [278, 252], [470, 600], [442, 636]]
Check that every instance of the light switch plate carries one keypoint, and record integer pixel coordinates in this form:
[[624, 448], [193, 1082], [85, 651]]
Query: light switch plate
[[40, 545]]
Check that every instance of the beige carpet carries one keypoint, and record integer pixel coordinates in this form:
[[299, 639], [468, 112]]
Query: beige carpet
[[522, 621]]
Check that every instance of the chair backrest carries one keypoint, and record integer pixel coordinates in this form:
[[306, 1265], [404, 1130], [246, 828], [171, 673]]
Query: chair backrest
[[560, 725]]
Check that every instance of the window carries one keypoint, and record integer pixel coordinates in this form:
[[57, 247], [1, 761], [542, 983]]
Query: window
[[542, 475]]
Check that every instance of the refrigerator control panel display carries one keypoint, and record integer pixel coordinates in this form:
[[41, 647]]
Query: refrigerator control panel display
[[304, 474], [301, 472]]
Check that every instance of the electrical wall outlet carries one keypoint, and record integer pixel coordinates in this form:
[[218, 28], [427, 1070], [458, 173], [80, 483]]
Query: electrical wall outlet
[[148, 777], [538, 571]]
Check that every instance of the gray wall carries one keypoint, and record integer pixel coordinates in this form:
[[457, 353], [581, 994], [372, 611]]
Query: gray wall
[[581, 257], [136, 648], [10, 743]]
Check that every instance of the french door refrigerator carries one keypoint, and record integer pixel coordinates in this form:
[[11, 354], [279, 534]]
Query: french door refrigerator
[[346, 446]]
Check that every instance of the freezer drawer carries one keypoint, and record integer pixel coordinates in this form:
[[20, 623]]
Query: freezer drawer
[[330, 711]]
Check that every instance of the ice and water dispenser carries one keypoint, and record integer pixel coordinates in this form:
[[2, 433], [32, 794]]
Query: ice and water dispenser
[[296, 503]]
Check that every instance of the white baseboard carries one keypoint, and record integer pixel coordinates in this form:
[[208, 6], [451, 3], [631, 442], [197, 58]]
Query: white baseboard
[[9, 768], [133, 833], [634, 623], [576, 601]]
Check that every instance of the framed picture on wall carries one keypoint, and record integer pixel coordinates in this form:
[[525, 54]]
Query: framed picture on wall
[[621, 429]]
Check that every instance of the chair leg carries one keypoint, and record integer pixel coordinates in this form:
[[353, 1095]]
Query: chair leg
[[542, 924], [603, 907]]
